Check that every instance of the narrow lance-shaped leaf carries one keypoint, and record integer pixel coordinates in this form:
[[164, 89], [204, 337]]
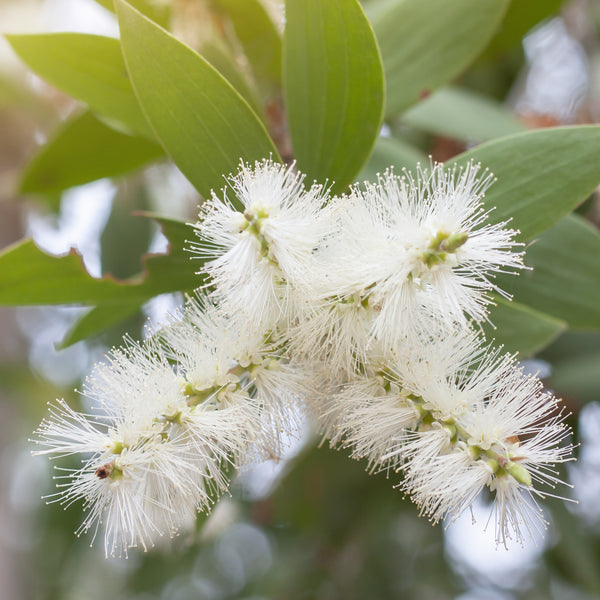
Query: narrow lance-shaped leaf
[[87, 67], [521, 329], [565, 279], [463, 115], [83, 150], [426, 44], [97, 320], [258, 35], [541, 175], [219, 56], [578, 377], [334, 89], [29, 276], [520, 18], [104, 316], [203, 123]]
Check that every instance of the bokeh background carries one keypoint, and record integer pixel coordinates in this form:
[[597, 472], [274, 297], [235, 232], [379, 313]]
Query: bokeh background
[[314, 525]]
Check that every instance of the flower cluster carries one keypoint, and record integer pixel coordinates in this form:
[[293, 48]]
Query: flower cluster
[[359, 309]]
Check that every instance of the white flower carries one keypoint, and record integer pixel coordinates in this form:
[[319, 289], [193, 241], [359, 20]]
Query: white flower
[[138, 492], [242, 369], [419, 252], [456, 417], [333, 325], [358, 310], [334, 332], [151, 459], [370, 415], [259, 243]]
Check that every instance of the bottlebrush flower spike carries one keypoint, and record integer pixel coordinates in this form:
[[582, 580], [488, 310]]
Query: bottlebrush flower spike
[[150, 459], [259, 246], [241, 368], [419, 252], [358, 309], [456, 417]]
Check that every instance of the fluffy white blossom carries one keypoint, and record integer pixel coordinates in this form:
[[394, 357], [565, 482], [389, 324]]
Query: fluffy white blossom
[[258, 243], [333, 332], [242, 367], [455, 417], [416, 254], [152, 458], [358, 309]]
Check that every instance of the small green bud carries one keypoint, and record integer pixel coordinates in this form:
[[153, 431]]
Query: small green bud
[[195, 396], [174, 417], [474, 452], [439, 239], [441, 245], [271, 364], [116, 447], [432, 258], [117, 473], [453, 242], [451, 429], [518, 472]]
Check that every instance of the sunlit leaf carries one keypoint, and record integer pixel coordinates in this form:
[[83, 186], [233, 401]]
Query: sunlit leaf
[[202, 122], [333, 85], [83, 150], [89, 68], [157, 10], [541, 175], [426, 44]]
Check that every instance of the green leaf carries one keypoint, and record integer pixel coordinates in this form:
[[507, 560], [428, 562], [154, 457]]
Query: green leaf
[[84, 150], [219, 56], [426, 43], [521, 329], [520, 18], [100, 318], [89, 68], [391, 152], [202, 122], [571, 345], [258, 35], [97, 320], [462, 115], [159, 12], [542, 175], [126, 237], [565, 279], [334, 89], [29, 276]]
